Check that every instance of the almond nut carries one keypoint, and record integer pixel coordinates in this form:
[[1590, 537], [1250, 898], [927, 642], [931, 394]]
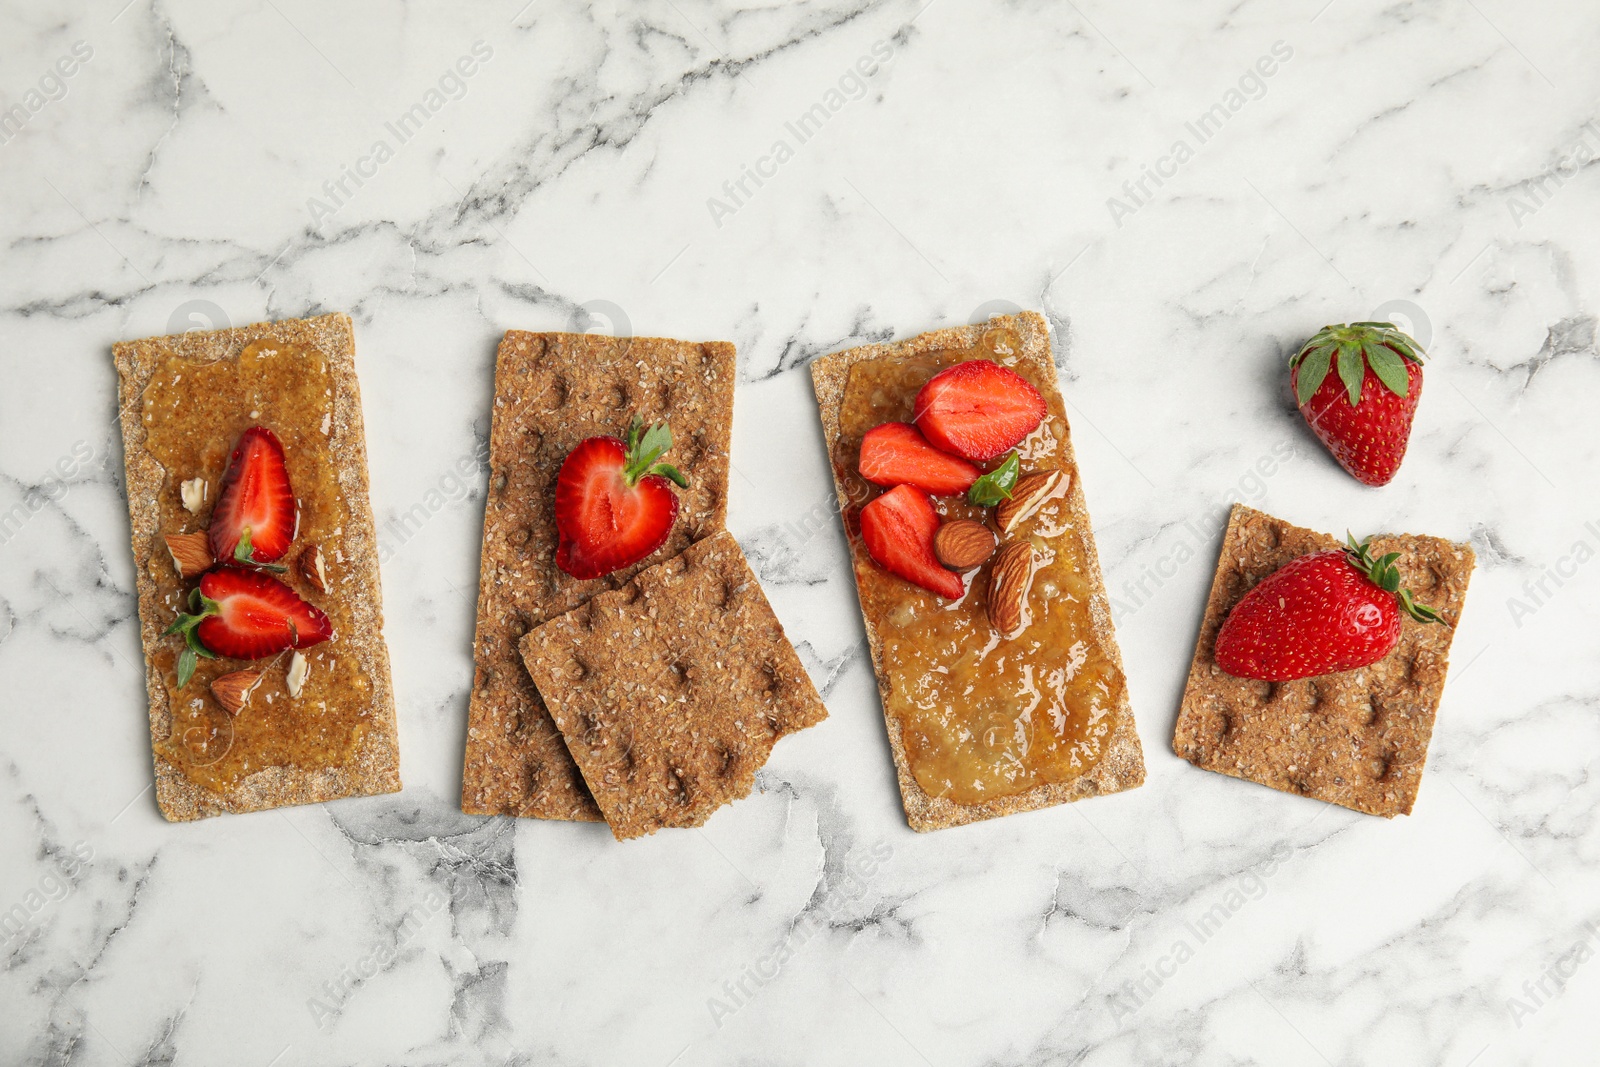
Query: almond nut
[[299, 670], [312, 568], [233, 690], [1030, 494], [962, 544], [193, 494], [1009, 580], [191, 553]]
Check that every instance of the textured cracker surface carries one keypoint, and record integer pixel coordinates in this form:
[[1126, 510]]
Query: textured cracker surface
[[1121, 764], [552, 390], [376, 766], [1358, 738], [672, 690]]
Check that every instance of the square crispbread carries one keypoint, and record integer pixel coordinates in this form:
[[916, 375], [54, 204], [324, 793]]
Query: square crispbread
[[1121, 764], [672, 690], [152, 506], [1357, 738], [552, 390]]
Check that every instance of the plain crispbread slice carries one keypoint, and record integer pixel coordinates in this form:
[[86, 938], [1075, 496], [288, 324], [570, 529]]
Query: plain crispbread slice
[[154, 510], [1358, 738], [552, 390], [672, 690], [1121, 764]]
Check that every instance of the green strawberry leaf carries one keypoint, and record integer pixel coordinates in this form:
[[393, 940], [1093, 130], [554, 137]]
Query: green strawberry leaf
[[1420, 612], [655, 441], [1351, 369], [644, 448], [200, 607], [1312, 371], [671, 473], [1405, 346], [193, 650], [1389, 368], [1383, 573], [990, 489]]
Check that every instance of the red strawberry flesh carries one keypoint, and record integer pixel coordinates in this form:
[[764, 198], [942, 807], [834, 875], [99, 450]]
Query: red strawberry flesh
[[602, 522], [1316, 614], [978, 409], [896, 453], [897, 529], [254, 495], [257, 615]]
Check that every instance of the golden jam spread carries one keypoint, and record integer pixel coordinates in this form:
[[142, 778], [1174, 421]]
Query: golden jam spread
[[193, 415], [982, 717]]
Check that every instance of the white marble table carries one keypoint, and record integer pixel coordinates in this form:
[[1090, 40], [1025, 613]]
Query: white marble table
[[619, 168]]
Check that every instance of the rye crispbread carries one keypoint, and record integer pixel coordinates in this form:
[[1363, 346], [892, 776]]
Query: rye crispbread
[[552, 390], [154, 509], [671, 691], [1357, 738], [1121, 763]]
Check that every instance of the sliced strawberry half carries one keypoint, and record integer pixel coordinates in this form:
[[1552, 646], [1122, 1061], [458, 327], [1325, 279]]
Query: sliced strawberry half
[[254, 518], [614, 501], [245, 614], [898, 529], [896, 453], [978, 409]]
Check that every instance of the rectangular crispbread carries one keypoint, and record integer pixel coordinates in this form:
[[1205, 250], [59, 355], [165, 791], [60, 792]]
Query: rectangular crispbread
[[155, 509], [1121, 762], [552, 390], [671, 691], [1357, 738]]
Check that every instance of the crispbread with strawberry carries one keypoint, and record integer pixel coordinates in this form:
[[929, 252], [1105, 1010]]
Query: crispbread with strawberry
[[585, 431], [977, 574], [257, 568], [1319, 669]]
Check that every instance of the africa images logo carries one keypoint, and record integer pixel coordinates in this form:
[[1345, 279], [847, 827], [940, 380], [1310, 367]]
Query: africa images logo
[[1251, 85], [450, 87], [851, 85]]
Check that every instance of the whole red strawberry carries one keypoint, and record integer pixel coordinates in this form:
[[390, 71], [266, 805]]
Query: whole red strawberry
[[1325, 612], [1358, 386], [614, 502]]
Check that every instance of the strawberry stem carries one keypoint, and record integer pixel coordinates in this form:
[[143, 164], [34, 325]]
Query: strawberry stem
[[244, 553], [1350, 349], [200, 607], [645, 447], [1386, 576]]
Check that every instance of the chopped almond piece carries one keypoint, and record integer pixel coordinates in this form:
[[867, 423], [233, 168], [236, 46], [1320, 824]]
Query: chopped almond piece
[[191, 553], [312, 567], [233, 690]]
